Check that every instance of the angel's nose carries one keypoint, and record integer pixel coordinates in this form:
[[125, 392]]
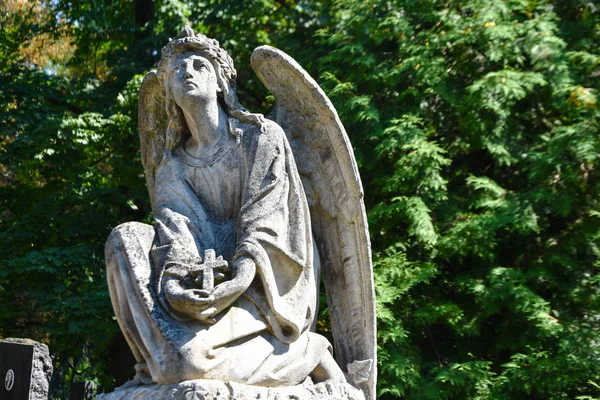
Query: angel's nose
[[187, 74]]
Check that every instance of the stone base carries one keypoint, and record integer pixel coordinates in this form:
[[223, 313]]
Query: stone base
[[217, 390]]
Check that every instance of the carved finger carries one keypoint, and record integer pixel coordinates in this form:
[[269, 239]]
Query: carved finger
[[208, 313], [224, 267], [220, 277], [164, 234], [201, 293], [196, 301]]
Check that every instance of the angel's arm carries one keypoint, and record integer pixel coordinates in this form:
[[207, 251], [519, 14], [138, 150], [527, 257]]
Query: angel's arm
[[195, 303], [174, 216], [174, 228], [244, 270]]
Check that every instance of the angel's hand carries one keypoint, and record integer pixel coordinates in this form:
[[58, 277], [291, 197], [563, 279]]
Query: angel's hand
[[220, 273], [190, 302], [165, 235], [229, 291]]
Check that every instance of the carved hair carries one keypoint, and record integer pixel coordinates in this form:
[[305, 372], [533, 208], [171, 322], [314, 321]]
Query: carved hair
[[226, 80]]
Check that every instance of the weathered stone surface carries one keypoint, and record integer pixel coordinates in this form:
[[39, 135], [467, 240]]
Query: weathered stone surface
[[31, 368], [217, 390], [225, 286], [330, 178]]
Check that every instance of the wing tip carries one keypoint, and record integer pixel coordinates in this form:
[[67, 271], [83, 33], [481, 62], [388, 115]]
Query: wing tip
[[149, 85], [266, 54], [261, 54], [150, 79]]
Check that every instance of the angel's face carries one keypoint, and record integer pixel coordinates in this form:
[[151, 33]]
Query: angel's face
[[191, 78]]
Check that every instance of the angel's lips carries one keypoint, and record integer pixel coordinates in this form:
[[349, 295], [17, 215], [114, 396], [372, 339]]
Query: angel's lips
[[190, 83]]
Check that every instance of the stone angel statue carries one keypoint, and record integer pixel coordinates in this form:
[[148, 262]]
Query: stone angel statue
[[220, 297]]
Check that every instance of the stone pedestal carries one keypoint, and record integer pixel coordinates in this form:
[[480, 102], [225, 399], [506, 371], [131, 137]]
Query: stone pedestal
[[216, 390], [25, 370]]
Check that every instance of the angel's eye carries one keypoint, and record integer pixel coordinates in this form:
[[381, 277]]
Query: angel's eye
[[198, 65]]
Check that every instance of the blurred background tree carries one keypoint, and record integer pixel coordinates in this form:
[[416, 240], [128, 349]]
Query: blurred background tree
[[476, 128]]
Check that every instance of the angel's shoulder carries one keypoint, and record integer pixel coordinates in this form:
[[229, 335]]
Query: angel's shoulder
[[272, 128], [267, 132]]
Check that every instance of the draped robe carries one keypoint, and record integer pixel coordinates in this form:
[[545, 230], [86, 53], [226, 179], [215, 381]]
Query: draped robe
[[244, 200]]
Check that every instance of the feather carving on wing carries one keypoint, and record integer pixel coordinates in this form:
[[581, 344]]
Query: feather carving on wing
[[152, 120], [326, 164]]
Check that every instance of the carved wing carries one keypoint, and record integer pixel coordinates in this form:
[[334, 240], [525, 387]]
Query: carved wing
[[152, 121], [333, 188]]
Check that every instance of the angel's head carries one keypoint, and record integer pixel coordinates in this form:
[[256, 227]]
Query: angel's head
[[191, 45], [205, 58]]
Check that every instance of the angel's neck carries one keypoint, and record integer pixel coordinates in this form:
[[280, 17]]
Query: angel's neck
[[207, 123]]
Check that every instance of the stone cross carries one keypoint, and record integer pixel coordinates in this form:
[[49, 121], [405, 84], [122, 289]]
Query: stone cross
[[208, 268]]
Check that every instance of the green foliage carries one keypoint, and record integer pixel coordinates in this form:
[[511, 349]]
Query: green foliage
[[476, 128], [66, 155]]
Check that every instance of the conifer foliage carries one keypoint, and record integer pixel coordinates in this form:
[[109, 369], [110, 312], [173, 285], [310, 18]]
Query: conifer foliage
[[476, 127], [478, 133]]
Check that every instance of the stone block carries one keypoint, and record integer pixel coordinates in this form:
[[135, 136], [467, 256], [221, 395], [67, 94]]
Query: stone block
[[25, 369]]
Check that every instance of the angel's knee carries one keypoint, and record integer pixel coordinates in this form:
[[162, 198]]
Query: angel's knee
[[327, 369], [124, 234]]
